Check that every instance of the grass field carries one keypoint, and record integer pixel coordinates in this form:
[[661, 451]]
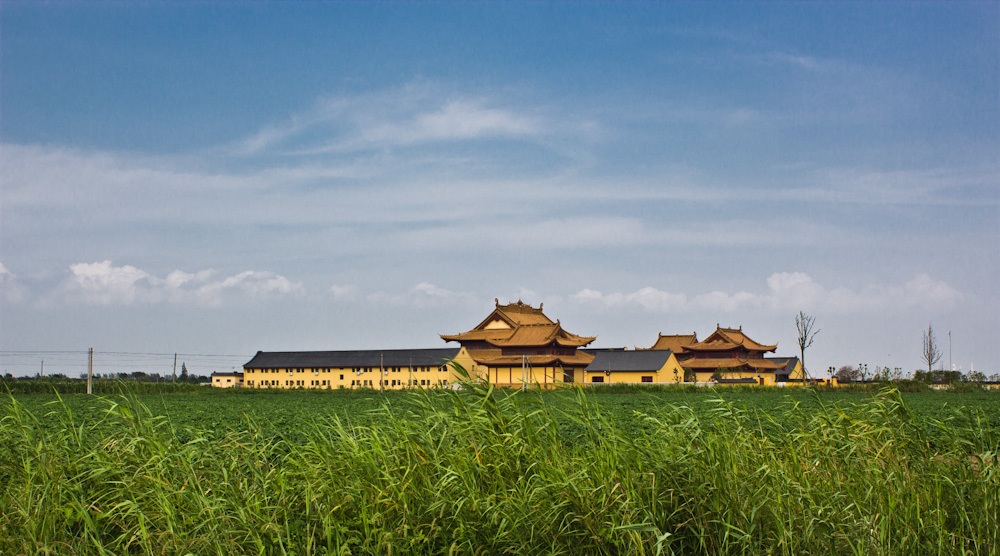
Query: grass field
[[487, 472]]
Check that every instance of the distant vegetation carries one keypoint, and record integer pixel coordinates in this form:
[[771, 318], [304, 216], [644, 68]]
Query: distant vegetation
[[488, 472]]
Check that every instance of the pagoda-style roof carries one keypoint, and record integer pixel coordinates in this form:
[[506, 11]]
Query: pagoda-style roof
[[495, 358], [731, 363], [519, 325], [674, 342], [727, 339]]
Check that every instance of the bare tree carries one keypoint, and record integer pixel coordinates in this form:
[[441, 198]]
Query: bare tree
[[931, 354], [847, 373], [804, 325]]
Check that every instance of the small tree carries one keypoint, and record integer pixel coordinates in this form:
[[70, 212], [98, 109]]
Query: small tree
[[804, 325], [184, 372], [931, 353]]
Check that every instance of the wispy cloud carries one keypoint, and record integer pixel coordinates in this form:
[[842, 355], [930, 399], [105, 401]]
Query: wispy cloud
[[103, 283], [422, 295], [414, 114], [786, 291]]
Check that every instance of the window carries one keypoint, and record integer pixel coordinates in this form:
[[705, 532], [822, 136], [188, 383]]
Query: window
[[647, 379], [341, 377], [597, 379]]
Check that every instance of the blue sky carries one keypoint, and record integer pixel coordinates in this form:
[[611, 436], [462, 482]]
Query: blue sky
[[222, 178]]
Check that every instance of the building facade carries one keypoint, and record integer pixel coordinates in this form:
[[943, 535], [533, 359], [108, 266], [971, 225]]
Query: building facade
[[390, 369], [726, 356], [634, 366], [518, 344], [227, 380]]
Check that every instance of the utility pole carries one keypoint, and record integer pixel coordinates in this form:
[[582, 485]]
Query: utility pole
[[41, 372], [381, 369], [174, 379], [90, 370], [950, 367]]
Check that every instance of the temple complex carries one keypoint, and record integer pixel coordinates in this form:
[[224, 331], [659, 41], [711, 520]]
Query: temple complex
[[725, 355], [518, 344]]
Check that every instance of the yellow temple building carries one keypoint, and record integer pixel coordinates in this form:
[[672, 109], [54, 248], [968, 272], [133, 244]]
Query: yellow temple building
[[517, 344], [725, 356]]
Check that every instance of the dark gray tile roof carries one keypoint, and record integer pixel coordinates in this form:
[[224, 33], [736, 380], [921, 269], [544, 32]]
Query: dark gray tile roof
[[636, 360], [351, 358], [788, 362]]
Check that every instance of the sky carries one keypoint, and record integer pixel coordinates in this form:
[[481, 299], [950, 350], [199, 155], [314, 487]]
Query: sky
[[217, 178]]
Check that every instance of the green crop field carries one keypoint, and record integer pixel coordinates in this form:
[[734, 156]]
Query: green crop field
[[771, 471]]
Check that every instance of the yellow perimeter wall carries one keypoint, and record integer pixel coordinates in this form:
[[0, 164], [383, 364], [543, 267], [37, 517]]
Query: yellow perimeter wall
[[670, 373]]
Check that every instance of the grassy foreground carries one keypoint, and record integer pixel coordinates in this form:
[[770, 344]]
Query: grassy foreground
[[482, 472]]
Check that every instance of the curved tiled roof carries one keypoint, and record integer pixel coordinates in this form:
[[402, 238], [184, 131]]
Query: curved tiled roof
[[519, 324], [729, 338], [493, 358], [675, 342], [731, 363]]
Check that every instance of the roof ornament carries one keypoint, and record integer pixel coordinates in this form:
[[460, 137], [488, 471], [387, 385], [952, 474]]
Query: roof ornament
[[497, 301], [540, 305]]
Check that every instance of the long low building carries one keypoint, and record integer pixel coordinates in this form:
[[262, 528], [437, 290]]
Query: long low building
[[385, 369], [623, 366]]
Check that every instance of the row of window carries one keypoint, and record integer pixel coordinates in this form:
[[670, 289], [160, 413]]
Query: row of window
[[354, 369], [361, 382]]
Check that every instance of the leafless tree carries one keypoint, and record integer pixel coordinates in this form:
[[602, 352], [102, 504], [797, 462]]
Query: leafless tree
[[804, 325], [931, 354]]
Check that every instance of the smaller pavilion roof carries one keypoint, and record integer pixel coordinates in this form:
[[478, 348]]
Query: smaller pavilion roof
[[729, 338], [674, 342], [763, 365]]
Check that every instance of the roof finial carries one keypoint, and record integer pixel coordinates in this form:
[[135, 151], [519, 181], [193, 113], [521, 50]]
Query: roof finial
[[540, 305], [497, 301]]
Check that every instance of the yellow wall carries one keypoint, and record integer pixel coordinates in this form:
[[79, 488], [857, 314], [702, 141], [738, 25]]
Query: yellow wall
[[670, 373], [226, 381], [394, 378], [549, 376], [797, 373]]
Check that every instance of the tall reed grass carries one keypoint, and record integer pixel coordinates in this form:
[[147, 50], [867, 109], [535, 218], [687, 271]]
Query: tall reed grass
[[478, 472]]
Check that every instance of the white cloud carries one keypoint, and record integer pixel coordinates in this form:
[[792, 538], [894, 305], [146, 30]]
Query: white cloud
[[102, 283], [423, 294], [787, 291], [343, 292], [10, 289], [412, 114]]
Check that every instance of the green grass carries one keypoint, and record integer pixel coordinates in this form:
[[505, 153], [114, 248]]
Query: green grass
[[487, 472]]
